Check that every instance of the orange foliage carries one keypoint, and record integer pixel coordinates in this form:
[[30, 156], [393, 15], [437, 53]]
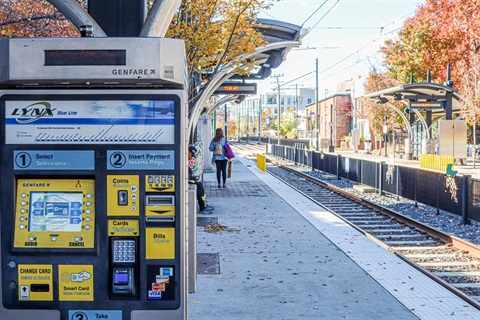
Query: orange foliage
[[34, 18], [441, 32]]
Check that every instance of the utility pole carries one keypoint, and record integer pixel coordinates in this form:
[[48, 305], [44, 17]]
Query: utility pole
[[296, 107], [331, 148], [277, 76], [317, 121]]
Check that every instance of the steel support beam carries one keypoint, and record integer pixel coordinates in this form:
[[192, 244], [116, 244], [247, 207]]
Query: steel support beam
[[77, 15], [221, 102], [224, 75], [119, 18], [159, 18]]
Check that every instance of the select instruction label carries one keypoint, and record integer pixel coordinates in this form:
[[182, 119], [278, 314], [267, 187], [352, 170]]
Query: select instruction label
[[54, 160]]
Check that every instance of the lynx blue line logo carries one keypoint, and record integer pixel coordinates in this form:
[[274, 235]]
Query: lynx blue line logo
[[33, 112]]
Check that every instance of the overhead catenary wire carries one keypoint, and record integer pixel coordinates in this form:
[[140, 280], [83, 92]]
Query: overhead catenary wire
[[356, 52], [326, 13], [374, 40], [314, 12]]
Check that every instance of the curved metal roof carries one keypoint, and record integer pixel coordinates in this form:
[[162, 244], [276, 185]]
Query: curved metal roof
[[273, 31], [423, 91]]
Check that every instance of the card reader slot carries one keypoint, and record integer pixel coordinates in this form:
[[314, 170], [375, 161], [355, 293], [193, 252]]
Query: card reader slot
[[160, 219], [160, 200], [44, 287]]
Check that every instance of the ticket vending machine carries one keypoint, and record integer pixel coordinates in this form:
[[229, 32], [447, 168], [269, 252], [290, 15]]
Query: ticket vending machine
[[92, 176]]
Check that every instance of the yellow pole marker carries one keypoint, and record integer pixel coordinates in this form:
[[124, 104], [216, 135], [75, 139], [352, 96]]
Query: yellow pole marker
[[261, 162]]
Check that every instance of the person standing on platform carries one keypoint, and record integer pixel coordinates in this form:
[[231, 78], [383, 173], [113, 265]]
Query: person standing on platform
[[201, 195], [217, 146]]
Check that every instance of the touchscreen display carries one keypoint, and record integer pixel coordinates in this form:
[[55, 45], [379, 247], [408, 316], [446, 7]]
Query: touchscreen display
[[55, 212]]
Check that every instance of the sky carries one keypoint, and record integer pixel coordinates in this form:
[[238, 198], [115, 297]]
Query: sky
[[344, 35]]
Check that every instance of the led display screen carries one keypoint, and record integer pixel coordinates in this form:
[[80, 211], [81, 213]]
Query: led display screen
[[85, 57], [55, 212]]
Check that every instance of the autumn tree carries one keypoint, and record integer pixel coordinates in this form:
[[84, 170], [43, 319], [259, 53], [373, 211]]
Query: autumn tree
[[469, 67], [218, 34], [232, 128], [34, 18], [441, 32], [376, 113], [470, 94]]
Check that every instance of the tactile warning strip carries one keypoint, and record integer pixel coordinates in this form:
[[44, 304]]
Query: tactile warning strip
[[238, 189]]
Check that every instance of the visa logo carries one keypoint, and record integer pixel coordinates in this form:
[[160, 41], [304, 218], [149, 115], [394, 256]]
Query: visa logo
[[154, 294]]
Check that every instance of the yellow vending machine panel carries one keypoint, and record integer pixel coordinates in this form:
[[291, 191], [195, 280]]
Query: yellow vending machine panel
[[160, 199], [160, 183], [122, 195], [55, 213]]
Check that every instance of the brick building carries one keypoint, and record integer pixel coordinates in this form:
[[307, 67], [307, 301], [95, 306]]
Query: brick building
[[335, 118]]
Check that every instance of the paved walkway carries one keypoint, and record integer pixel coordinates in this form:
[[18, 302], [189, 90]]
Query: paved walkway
[[280, 256]]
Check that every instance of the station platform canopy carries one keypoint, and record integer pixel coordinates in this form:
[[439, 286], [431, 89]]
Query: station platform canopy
[[424, 95], [273, 32]]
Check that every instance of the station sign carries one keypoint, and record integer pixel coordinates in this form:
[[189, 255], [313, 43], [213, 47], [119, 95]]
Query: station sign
[[237, 88], [426, 104]]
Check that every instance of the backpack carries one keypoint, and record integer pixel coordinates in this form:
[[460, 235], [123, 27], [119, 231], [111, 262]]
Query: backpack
[[218, 149]]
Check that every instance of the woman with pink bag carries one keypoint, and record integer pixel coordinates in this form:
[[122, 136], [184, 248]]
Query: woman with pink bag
[[217, 146]]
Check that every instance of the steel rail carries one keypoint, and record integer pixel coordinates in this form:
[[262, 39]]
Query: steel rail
[[441, 236]]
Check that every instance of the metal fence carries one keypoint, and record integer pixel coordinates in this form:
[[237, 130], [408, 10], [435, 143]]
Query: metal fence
[[456, 194], [294, 143]]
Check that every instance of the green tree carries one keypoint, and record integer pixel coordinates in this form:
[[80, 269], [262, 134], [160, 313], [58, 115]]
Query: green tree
[[288, 123]]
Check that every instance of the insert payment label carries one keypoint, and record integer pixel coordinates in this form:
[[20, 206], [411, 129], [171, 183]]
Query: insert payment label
[[140, 160]]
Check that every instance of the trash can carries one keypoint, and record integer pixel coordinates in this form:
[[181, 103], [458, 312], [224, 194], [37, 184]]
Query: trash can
[[368, 146]]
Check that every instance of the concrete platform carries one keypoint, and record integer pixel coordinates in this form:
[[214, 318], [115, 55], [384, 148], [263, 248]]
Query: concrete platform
[[283, 257], [329, 177]]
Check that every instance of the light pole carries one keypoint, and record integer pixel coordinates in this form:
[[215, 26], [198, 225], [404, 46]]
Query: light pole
[[259, 119], [331, 148], [296, 105], [278, 101], [226, 122], [385, 130], [214, 120], [238, 121], [317, 121], [248, 118]]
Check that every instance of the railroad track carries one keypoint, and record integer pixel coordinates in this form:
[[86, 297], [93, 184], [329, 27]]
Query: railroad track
[[449, 260]]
